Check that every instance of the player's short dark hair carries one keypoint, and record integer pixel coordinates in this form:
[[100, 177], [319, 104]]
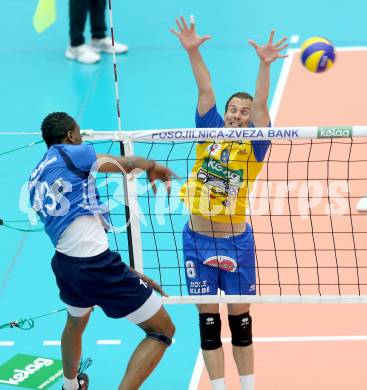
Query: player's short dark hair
[[55, 127], [240, 95]]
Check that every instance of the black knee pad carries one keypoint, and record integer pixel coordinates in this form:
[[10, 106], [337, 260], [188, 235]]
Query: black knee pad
[[210, 327], [160, 338], [241, 329]]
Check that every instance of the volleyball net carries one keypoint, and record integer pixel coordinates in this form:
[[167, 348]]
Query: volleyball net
[[310, 241]]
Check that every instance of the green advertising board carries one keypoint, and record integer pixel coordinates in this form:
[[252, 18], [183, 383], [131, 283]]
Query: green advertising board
[[31, 372]]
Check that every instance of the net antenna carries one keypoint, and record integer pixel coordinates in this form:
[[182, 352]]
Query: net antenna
[[127, 149]]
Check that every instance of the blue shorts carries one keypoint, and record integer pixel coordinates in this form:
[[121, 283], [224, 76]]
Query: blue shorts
[[227, 264], [102, 280]]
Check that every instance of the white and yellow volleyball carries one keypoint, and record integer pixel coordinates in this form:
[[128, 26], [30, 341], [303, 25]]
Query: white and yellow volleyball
[[317, 54]]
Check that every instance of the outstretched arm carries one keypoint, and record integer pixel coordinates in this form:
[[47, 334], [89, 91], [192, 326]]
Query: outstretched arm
[[267, 54], [191, 43], [109, 164]]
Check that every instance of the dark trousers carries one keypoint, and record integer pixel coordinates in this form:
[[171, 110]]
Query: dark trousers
[[78, 10]]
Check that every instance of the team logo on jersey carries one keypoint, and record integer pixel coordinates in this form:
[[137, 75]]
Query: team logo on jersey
[[219, 178], [213, 148], [220, 171], [224, 263], [224, 156]]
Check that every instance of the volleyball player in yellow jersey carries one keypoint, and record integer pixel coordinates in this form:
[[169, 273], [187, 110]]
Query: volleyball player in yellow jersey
[[218, 243]]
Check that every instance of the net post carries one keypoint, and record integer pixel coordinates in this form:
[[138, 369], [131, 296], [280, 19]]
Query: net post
[[132, 219], [132, 214]]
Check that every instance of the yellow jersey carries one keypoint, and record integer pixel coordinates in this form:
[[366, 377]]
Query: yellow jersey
[[221, 181]]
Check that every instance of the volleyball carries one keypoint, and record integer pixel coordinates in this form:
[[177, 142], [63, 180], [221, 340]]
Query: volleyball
[[317, 54]]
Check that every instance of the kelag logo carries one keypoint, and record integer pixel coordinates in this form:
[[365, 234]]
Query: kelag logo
[[216, 168], [334, 132], [31, 372]]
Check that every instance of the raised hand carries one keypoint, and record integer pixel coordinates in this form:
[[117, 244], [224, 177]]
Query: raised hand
[[161, 172], [270, 52], [187, 35]]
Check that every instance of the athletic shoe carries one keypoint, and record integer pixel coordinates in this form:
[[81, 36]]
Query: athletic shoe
[[83, 381], [83, 54], [105, 45], [82, 377]]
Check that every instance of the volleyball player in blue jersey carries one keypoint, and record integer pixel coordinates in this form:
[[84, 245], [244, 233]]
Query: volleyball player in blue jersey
[[63, 192], [218, 241]]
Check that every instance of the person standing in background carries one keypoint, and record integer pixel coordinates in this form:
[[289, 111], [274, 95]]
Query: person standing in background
[[78, 50]]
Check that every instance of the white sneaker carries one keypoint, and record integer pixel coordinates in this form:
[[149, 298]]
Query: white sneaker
[[362, 204], [83, 54], [105, 45]]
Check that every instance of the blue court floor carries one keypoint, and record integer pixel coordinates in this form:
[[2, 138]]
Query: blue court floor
[[157, 90]]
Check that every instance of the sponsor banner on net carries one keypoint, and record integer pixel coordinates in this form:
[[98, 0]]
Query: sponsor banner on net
[[335, 132], [222, 134], [31, 372]]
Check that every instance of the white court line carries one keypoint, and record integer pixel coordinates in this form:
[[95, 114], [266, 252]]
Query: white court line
[[302, 339], [275, 103], [282, 80], [199, 364], [196, 372], [51, 343], [109, 342], [18, 133], [7, 343]]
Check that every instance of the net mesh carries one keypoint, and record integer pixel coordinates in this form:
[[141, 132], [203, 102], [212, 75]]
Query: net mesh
[[309, 238], [310, 241]]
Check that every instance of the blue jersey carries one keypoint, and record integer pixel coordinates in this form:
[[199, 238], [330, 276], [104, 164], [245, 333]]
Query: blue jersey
[[213, 119], [62, 189]]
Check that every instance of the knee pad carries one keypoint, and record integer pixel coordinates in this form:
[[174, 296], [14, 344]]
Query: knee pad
[[160, 338], [210, 327], [241, 329]]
